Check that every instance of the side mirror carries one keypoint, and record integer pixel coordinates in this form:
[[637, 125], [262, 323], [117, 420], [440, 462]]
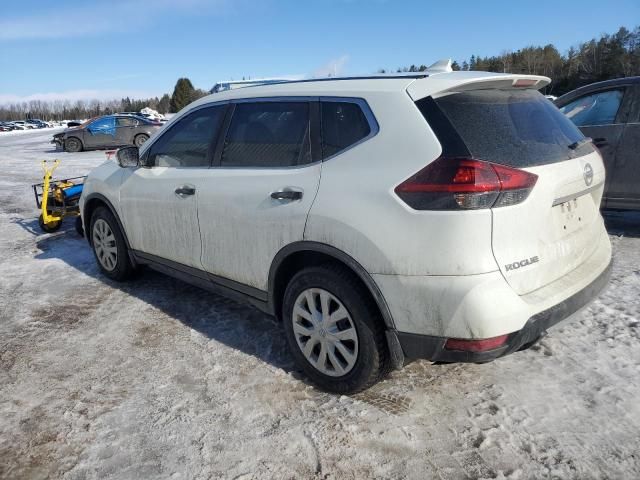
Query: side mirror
[[128, 157]]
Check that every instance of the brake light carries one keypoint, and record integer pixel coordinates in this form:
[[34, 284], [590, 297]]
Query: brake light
[[465, 183], [524, 82], [476, 345]]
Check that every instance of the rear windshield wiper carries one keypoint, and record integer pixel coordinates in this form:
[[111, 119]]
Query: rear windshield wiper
[[581, 142]]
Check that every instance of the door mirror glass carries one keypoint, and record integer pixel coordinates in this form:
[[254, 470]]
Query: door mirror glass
[[128, 157]]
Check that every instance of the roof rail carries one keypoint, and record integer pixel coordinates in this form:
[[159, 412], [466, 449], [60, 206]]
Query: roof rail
[[441, 66]]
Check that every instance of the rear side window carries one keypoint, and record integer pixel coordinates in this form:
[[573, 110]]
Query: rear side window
[[126, 122], [597, 109], [518, 128], [343, 125], [187, 143], [268, 134]]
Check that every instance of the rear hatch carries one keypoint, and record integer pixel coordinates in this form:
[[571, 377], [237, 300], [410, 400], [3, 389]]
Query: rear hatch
[[558, 226]]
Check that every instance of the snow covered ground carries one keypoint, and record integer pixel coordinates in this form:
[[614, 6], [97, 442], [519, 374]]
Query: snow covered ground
[[158, 379]]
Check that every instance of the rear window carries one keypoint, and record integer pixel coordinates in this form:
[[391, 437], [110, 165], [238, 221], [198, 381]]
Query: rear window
[[518, 128]]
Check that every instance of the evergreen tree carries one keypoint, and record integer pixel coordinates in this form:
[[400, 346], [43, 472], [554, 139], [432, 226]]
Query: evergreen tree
[[164, 104], [472, 63], [182, 94], [198, 93]]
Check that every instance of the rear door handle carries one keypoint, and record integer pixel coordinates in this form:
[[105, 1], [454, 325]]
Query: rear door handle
[[287, 194], [185, 191]]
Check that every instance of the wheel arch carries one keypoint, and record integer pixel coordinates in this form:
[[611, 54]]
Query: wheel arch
[[295, 256], [92, 202]]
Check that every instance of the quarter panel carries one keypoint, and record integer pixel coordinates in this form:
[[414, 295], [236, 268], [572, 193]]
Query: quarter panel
[[357, 211]]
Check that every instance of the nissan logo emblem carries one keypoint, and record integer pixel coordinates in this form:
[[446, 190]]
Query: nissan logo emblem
[[588, 174]]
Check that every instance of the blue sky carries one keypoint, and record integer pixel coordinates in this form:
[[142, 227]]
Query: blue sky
[[76, 49]]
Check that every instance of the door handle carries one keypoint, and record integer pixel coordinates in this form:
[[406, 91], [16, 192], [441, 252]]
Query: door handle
[[600, 142], [185, 191], [290, 195]]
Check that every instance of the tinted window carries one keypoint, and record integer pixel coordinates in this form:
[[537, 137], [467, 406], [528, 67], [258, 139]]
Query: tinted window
[[268, 134], [343, 124], [597, 109], [519, 128], [187, 143], [126, 122], [103, 126]]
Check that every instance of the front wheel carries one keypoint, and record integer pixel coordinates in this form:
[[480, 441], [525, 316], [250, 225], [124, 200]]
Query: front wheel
[[109, 246], [140, 139], [72, 145], [334, 329]]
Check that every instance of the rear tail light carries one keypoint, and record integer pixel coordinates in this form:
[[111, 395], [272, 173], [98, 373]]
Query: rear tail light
[[476, 345], [465, 183]]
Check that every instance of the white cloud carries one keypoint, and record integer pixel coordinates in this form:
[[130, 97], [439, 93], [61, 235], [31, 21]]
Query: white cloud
[[73, 95], [332, 68], [95, 18]]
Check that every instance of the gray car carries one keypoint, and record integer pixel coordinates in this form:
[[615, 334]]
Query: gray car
[[106, 132], [609, 113]]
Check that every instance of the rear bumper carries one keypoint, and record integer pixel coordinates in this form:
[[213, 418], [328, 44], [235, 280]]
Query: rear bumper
[[432, 348]]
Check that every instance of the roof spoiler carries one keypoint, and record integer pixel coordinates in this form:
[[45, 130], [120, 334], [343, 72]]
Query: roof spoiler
[[466, 81]]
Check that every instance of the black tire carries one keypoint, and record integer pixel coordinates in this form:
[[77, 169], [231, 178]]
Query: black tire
[[122, 269], [373, 361], [79, 227], [51, 227], [140, 139], [73, 145]]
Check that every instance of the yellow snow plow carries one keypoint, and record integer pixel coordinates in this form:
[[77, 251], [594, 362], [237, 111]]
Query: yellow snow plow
[[57, 199]]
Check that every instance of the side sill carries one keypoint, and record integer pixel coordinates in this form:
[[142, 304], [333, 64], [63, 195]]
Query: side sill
[[222, 286]]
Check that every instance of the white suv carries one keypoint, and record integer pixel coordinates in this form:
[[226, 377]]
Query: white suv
[[447, 216]]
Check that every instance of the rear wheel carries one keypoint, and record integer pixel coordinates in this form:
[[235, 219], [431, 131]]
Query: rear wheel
[[140, 139], [109, 246], [73, 145], [334, 330]]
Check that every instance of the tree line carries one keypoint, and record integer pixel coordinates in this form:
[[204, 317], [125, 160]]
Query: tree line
[[609, 56], [55, 110]]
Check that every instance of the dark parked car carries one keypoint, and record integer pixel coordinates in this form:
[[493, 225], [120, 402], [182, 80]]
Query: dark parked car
[[609, 113], [106, 132], [37, 122]]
